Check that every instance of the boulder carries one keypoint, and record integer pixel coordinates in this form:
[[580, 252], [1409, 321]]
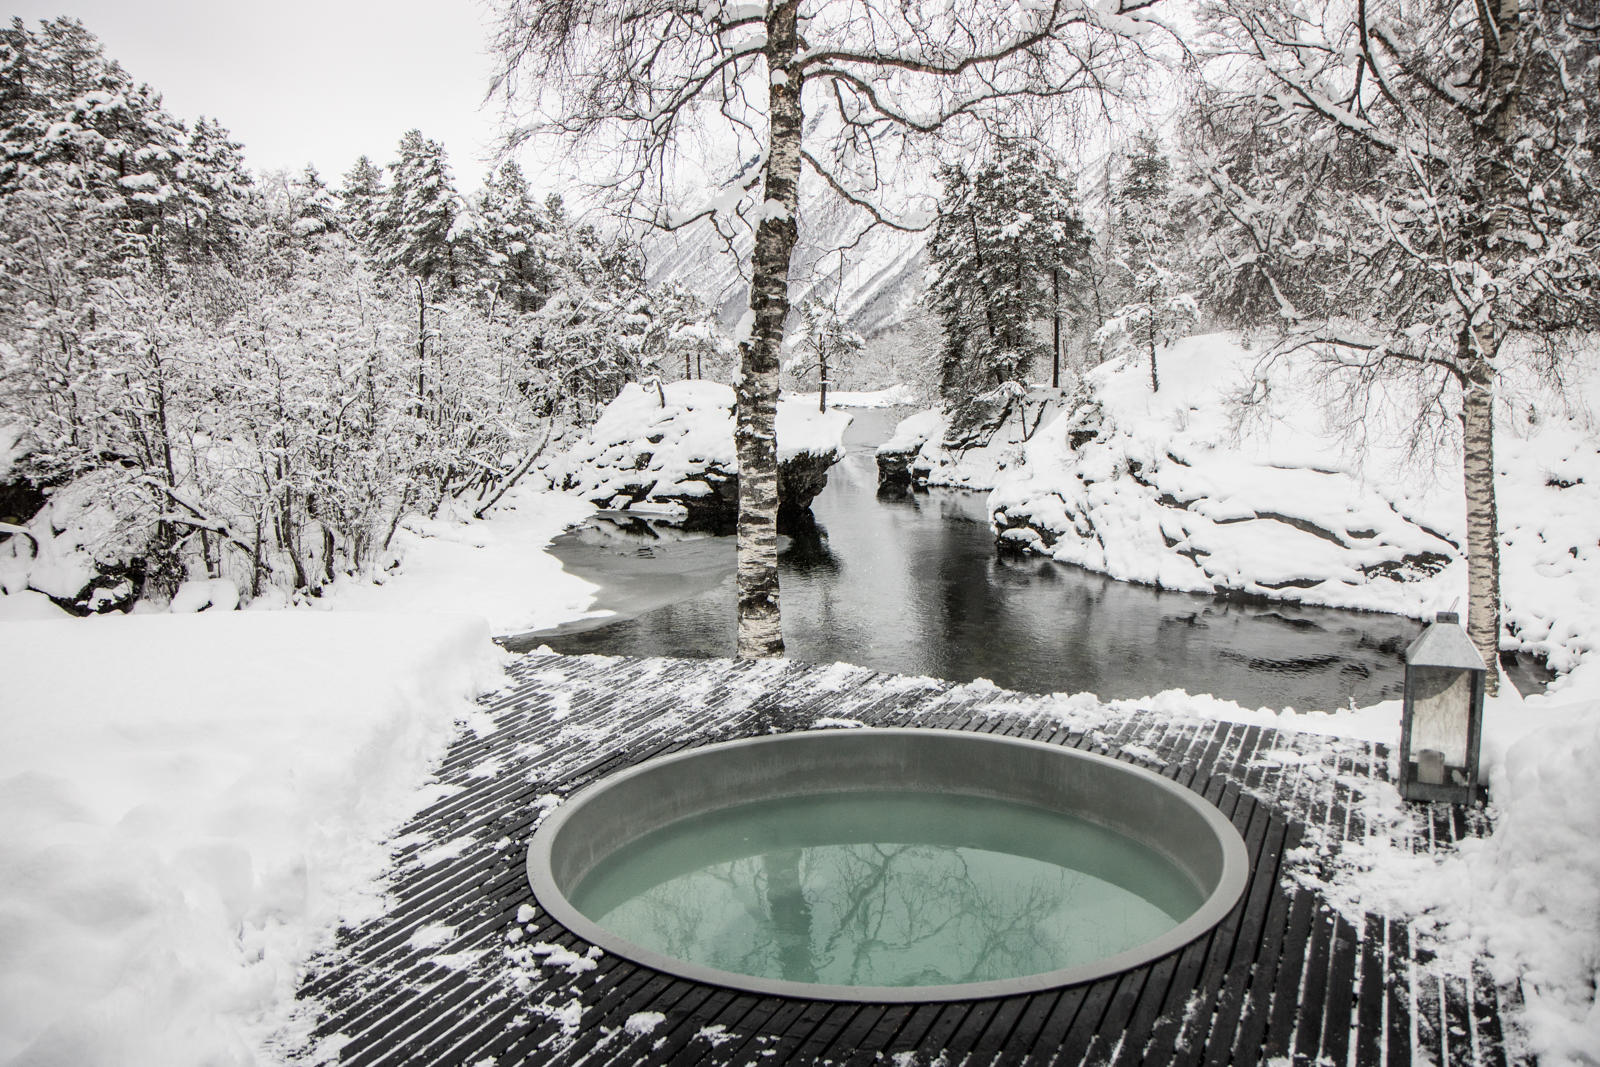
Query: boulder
[[670, 454]]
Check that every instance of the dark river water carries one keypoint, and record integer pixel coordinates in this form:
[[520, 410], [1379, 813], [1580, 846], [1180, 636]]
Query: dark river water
[[913, 584]]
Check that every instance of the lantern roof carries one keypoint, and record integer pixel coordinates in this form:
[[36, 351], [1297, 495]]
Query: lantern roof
[[1444, 644]]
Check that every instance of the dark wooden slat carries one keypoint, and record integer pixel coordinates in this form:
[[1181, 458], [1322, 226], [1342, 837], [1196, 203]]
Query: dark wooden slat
[[1277, 969], [1336, 1016], [965, 1037], [885, 1035], [1308, 1024], [1370, 996], [1457, 1036], [1398, 980], [1291, 970], [995, 1036], [1429, 1009], [1265, 840], [1486, 1019]]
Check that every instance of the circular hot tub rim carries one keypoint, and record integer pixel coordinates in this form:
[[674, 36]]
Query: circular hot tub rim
[[1221, 885]]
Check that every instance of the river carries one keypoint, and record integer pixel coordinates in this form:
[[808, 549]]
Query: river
[[912, 584]]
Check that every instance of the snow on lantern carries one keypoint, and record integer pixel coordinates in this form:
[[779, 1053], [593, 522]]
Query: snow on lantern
[[1441, 723]]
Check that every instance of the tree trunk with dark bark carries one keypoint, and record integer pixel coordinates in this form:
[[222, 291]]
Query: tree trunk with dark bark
[[1055, 348], [755, 428]]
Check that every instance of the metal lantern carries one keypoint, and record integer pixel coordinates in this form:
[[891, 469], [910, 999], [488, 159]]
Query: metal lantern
[[1441, 724]]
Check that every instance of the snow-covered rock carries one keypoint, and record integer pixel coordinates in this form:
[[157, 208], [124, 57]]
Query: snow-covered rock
[[1184, 490], [927, 450], [896, 455], [82, 548], [671, 452]]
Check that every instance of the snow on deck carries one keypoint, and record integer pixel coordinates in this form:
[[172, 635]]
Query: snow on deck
[[466, 968]]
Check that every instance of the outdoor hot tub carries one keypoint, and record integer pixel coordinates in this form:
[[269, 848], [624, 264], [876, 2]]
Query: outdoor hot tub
[[887, 865]]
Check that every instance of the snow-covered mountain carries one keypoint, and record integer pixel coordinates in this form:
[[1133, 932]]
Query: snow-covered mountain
[[881, 281]]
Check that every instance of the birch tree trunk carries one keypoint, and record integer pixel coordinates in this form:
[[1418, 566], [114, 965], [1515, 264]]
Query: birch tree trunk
[[1483, 541], [1480, 344], [755, 428]]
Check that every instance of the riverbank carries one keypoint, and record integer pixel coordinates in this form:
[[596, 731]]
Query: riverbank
[[1243, 474]]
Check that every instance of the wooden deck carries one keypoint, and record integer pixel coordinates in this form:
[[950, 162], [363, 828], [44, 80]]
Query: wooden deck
[[449, 975]]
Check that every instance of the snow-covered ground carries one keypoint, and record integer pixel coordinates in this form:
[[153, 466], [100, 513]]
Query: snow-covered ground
[[921, 438], [497, 568], [894, 396], [192, 802]]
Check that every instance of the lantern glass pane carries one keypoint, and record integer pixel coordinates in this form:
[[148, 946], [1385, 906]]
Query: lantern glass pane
[[1441, 705]]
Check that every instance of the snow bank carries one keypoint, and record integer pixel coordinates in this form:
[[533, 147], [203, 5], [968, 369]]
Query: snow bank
[[29, 606], [492, 567], [914, 431], [932, 459], [676, 446], [1176, 489], [1548, 495], [1536, 908], [803, 430], [192, 802]]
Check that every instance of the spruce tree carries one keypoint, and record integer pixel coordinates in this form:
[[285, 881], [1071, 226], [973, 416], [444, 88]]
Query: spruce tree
[[416, 229], [1007, 233], [213, 191], [314, 208], [515, 236], [1158, 305], [361, 200], [70, 115]]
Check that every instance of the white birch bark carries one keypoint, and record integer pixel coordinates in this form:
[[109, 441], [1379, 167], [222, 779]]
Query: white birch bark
[[755, 427]]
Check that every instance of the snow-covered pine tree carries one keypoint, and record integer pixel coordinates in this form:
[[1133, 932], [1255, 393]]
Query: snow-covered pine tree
[[1007, 232], [361, 198], [313, 206], [213, 191], [72, 111], [420, 225], [1158, 303], [516, 240]]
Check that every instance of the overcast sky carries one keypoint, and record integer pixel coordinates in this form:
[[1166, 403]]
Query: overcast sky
[[301, 81]]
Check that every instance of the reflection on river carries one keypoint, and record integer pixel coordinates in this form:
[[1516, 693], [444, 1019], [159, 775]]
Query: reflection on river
[[913, 584], [891, 889]]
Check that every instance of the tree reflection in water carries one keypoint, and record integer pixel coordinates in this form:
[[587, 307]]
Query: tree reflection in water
[[894, 914]]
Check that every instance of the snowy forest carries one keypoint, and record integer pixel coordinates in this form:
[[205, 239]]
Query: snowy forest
[[1093, 364], [255, 377]]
